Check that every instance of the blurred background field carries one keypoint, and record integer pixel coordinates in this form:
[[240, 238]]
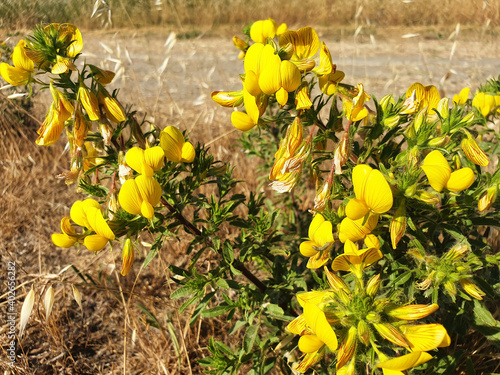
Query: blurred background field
[[169, 56]]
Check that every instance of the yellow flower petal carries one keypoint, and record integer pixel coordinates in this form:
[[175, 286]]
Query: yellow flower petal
[[460, 180], [324, 234], [354, 230], [405, 362], [129, 198], [315, 297], [270, 71], [424, 337], [153, 157], [62, 240], [263, 29], [360, 175], [356, 209], [412, 312], [15, 76], [149, 189], [20, 59], [310, 343], [89, 102], [282, 96], [325, 61], [252, 58], [290, 76], [316, 320], [307, 248], [461, 98], [171, 141], [377, 193], [437, 170], [95, 242], [147, 210], [298, 325], [242, 121], [135, 159], [188, 153], [98, 224], [66, 227]]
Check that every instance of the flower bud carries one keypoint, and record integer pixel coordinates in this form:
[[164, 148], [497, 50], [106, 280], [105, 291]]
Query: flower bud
[[100, 75], [488, 198], [373, 285], [397, 227], [419, 119], [228, 98], [472, 289], [127, 257], [450, 288], [106, 133], [302, 99], [456, 162], [473, 152], [443, 108], [391, 333], [439, 141], [342, 152], [391, 122], [456, 252], [347, 348], [80, 129], [323, 195], [373, 317], [411, 312], [386, 101], [429, 197], [363, 332], [240, 44], [89, 102]]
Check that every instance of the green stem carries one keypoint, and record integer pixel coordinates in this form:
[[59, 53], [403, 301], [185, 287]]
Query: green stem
[[195, 231]]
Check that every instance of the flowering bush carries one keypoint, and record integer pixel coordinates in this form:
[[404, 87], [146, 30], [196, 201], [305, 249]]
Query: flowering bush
[[405, 193]]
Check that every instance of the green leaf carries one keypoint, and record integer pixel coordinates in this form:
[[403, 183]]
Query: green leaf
[[216, 311], [228, 252], [250, 337], [183, 291], [486, 323]]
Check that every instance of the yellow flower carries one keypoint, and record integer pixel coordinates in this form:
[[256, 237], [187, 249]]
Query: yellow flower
[[322, 334], [175, 147], [411, 312], [472, 289], [88, 214], [355, 260], [302, 99], [488, 198], [127, 257], [328, 83], [254, 106], [263, 29], [113, 108], [100, 75], [439, 174], [421, 97], [228, 98], [89, 102], [305, 43], [484, 102], [405, 362], [373, 193], [320, 242], [59, 112], [397, 227], [355, 110], [461, 98], [71, 36], [147, 161], [20, 73], [139, 196], [473, 152], [80, 128], [355, 230], [326, 65]]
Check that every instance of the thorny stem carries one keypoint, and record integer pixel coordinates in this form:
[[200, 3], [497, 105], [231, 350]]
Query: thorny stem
[[195, 231]]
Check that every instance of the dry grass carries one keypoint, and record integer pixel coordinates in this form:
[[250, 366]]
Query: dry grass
[[112, 334], [181, 13]]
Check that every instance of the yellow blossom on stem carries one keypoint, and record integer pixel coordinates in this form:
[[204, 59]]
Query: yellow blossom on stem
[[373, 193], [175, 146], [326, 65], [320, 242], [228, 98], [473, 152], [59, 112], [302, 99], [355, 260], [461, 98], [261, 30], [488, 198], [355, 110], [328, 83], [88, 214], [305, 44], [139, 196], [404, 362], [472, 289], [20, 73], [101, 75], [484, 102], [127, 257], [89, 102], [112, 107], [439, 173], [355, 230], [421, 97], [147, 161]]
